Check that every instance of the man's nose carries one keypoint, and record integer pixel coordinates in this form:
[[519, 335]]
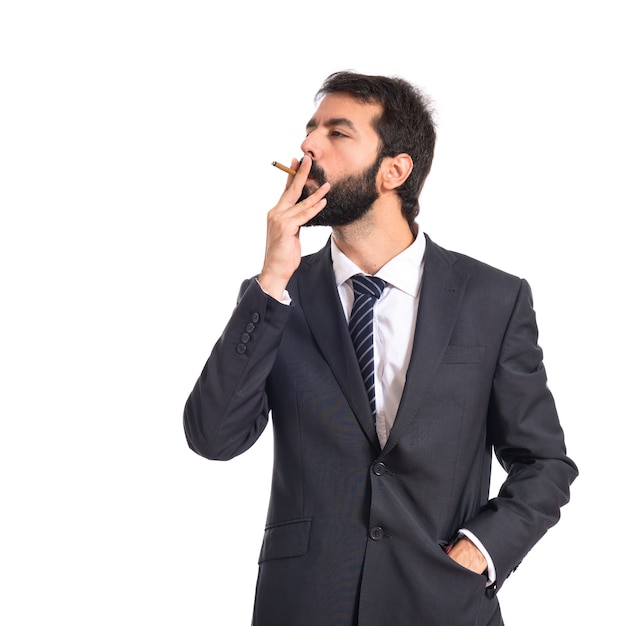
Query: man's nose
[[311, 146]]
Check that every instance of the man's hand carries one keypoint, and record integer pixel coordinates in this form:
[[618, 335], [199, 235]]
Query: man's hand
[[465, 553], [282, 248]]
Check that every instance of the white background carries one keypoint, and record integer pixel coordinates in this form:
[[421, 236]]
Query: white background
[[135, 146]]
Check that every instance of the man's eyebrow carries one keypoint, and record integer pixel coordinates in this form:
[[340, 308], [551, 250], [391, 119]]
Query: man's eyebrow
[[335, 121]]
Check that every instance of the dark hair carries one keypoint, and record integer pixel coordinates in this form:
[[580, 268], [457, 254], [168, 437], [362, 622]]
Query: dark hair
[[405, 125]]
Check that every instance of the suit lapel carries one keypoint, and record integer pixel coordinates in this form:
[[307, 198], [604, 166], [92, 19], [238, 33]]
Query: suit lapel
[[324, 315], [443, 288]]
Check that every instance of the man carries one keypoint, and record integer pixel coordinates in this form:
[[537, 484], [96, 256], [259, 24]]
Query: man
[[379, 512]]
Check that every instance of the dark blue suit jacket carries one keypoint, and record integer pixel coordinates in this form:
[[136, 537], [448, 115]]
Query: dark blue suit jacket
[[355, 533]]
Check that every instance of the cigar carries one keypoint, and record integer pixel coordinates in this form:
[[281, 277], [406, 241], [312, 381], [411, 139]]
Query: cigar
[[284, 168]]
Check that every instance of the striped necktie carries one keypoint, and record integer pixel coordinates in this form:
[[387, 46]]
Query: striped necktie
[[367, 289]]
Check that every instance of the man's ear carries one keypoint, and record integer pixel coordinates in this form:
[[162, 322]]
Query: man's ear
[[395, 170]]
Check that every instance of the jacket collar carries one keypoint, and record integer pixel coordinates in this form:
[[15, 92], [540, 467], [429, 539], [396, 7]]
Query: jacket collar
[[323, 312]]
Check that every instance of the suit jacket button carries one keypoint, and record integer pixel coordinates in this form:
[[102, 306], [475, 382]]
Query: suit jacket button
[[250, 327], [245, 338], [241, 348], [376, 533], [256, 317], [379, 468]]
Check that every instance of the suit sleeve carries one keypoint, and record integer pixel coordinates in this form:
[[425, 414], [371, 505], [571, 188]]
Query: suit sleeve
[[528, 442], [227, 409]]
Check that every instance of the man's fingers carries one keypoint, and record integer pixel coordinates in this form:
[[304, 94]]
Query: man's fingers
[[301, 212], [298, 180], [313, 204], [307, 213], [295, 165], [289, 203], [318, 194]]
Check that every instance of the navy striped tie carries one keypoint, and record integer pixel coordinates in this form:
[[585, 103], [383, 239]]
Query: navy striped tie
[[367, 289]]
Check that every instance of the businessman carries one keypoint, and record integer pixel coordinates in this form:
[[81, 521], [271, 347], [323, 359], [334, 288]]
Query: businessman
[[392, 370]]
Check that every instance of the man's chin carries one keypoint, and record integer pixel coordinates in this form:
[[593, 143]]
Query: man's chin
[[333, 219], [317, 221], [324, 218]]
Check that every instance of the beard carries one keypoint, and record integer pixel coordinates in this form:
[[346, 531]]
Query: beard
[[348, 199]]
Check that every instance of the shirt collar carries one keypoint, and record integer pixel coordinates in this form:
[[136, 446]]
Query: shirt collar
[[403, 271]]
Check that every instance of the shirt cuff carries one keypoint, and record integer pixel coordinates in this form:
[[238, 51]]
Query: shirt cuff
[[491, 568], [286, 299]]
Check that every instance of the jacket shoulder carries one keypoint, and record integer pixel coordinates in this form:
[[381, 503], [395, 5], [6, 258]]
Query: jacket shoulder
[[477, 269]]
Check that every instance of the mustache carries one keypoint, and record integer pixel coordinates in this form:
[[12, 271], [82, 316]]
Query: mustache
[[317, 173]]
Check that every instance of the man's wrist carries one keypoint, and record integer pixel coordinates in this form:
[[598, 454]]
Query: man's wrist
[[284, 297]]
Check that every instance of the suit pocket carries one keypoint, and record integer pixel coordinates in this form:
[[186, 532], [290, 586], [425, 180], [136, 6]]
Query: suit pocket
[[287, 539], [464, 354]]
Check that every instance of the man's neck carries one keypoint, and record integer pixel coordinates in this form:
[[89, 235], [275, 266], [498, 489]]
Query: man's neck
[[373, 241]]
